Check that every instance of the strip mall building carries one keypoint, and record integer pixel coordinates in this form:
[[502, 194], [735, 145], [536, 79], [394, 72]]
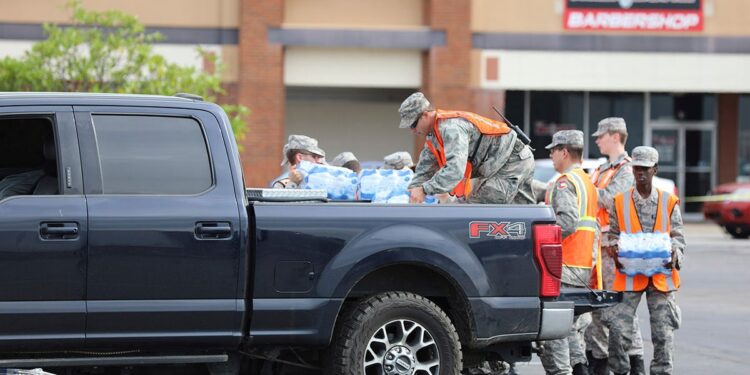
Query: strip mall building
[[676, 70]]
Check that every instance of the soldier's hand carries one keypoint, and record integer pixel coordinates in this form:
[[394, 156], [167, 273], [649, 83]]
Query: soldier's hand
[[617, 260], [443, 198], [416, 195], [672, 262], [295, 176], [611, 251]]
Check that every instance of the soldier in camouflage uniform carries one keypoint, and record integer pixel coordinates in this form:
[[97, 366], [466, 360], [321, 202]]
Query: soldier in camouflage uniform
[[660, 294], [501, 165], [398, 160], [299, 148], [611, 178], [347, 160], [575, 215]]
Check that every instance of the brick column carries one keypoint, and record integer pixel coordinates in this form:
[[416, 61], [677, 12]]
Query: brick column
[[261, 88], [728, 131], [446, 68]]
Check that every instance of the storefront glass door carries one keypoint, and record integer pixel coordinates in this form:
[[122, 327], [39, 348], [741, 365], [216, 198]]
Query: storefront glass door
[[686, 156]]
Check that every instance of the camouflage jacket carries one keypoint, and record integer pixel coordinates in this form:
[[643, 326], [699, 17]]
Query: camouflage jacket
[[621, 181], [564, 201], [460, 139]]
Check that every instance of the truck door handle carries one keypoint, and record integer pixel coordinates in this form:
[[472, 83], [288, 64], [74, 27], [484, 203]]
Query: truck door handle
[[213, 230], [58, 231]]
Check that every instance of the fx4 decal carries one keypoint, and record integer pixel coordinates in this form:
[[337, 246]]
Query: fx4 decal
[[503, 230]]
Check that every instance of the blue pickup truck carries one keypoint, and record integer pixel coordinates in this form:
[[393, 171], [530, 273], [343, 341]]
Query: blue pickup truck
[[128, 238]]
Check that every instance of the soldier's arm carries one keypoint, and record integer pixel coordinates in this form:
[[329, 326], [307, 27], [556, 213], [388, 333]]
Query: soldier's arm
[[614, 227], [456, 145], [425, 169], [282, 184], [623, 180], [678, 235], [565, 203]]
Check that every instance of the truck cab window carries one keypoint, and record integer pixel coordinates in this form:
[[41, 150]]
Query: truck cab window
[[152, 155], [28, 157]]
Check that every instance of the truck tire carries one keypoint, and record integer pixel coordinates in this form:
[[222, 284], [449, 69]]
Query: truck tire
[[394, 333]]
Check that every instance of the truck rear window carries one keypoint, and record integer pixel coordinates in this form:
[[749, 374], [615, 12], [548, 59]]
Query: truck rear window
[[152, 155]]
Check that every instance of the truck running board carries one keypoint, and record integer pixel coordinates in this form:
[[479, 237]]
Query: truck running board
[[112, 361]]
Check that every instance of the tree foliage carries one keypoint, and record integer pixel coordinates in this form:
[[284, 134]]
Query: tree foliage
[[110, 52]]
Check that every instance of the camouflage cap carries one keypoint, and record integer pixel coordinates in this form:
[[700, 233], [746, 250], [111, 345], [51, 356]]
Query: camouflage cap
[[398, 160], [611, 124], [567, 137], [412, 108], [644, 156], [302, 142], [343, 158]]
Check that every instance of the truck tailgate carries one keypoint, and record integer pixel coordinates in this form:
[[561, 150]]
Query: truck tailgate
[[586, 300]]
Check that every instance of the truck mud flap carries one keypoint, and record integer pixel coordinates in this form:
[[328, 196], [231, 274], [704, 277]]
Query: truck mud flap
[[586, 300]]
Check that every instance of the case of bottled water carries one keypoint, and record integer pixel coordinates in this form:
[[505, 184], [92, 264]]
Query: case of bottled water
[[645, 253], [387, 186], [340, 183]]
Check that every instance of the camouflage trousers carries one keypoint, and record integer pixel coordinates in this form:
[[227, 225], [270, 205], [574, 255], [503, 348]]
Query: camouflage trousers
[[559, 356], [597, 335], [665, 317], [510, 184]]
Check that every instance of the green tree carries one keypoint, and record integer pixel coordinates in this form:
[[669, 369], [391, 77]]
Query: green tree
[[110, 52]]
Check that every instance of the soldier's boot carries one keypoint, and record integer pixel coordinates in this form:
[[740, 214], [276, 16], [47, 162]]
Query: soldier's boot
[[599, 366], [637, 366], [580, 369]]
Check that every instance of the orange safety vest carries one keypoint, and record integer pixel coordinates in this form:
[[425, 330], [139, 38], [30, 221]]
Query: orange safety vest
[[627, 217], [577, 247], [602, 215], [485, 126]]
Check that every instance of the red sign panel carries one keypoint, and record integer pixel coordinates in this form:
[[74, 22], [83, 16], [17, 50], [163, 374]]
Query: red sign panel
[[634, 15]]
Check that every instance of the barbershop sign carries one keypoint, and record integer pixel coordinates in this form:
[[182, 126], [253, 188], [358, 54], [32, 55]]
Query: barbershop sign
[[634, 15]]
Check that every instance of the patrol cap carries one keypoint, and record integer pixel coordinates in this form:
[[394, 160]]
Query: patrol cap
[[398, 160], [343, 158], [302, 142], [644, 156], [567, 137], [412, 108], [611, 124]]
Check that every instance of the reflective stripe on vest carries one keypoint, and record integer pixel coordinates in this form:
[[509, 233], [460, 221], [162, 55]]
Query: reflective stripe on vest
[[578, 247], [629, 223], [602, 215], [484, 125]]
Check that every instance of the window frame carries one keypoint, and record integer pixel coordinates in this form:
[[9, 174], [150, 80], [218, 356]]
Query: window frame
[[90, 149], [64, 133]]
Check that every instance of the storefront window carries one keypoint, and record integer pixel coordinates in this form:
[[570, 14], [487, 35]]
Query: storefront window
[[683, 107], [743, 174], [514, 111], [552, 112], [627, 106]]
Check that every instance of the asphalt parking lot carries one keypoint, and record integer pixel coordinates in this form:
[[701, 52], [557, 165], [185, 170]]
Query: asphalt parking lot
[[714, 302]]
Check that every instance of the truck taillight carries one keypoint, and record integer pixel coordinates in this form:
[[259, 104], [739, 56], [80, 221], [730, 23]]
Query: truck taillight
[[548, 255]]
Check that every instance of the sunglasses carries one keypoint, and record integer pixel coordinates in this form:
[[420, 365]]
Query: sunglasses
[[414, 124]]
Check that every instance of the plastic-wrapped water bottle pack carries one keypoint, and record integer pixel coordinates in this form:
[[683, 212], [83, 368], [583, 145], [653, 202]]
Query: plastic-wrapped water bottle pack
[[645, 253], [341, 183], [375, 185], [385, 185]]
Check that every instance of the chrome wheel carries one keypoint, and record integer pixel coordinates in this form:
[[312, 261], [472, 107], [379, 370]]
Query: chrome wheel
[[402, 347]]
